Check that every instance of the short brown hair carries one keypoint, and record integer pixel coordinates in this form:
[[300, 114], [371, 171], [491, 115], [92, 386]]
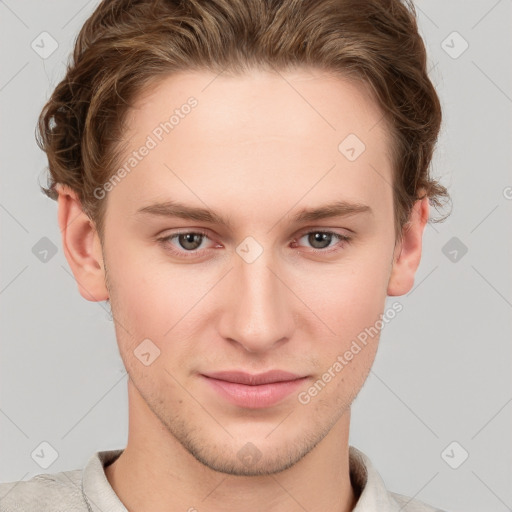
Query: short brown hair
[[126, 46]]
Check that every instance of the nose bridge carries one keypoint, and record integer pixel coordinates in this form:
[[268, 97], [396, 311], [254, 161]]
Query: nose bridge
[[258, 314]]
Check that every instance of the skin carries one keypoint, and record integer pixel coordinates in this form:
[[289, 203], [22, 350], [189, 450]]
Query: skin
[[257, 149]]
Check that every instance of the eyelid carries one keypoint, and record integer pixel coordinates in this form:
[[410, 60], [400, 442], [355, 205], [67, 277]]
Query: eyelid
[[302, 232], [166, 240], [342, 240], [199, 231], [314, 229]]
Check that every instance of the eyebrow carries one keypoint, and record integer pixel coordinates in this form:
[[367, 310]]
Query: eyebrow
[[183, 211]]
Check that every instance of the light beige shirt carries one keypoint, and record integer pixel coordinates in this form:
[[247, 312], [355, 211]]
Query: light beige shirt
[[88, 490]]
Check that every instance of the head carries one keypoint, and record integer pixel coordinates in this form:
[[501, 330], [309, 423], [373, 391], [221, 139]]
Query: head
[[251, 118]]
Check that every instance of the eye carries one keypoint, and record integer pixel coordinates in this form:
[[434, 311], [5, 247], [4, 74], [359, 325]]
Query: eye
[[320, 240], [187, 244], [186, 241]]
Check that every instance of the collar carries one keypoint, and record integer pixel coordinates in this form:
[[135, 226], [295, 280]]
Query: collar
[[366, 482]]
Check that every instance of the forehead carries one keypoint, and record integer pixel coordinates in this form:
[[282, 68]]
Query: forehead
[[257, 103], [255, 135]]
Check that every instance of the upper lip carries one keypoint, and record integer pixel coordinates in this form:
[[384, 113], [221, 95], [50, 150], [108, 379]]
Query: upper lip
[[254, 379]]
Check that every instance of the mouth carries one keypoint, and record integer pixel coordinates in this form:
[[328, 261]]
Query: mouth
[[254, 391]]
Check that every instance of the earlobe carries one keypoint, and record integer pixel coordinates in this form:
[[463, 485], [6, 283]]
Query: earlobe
[[81, 246], [407, 255]]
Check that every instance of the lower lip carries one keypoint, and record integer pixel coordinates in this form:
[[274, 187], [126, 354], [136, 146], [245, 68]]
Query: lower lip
[[254, 397]]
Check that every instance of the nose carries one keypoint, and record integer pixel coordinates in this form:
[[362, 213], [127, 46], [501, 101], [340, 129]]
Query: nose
[[257, 305]]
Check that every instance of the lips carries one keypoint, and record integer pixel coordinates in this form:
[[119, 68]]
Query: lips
[[248, 379], [250, 391]]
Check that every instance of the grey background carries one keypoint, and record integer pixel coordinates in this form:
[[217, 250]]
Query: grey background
[[442, 372]]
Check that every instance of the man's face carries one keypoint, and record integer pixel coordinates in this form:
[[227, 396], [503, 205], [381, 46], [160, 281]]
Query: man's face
[[266, 292]]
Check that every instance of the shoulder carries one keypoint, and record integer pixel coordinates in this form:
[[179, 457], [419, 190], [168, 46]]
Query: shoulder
[[372, 491], [58, 492], [408, 504]]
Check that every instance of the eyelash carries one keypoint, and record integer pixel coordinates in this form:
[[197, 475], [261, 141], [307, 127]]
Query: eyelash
[[165, 241]]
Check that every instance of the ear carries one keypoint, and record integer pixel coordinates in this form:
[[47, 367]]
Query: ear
[[407, 254], [81, 245]]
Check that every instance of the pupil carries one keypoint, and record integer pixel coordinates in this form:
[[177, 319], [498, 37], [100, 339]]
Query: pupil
[[189, 239], [320, 237]]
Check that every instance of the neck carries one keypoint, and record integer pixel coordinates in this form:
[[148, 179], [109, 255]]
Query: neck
[[156, 473]]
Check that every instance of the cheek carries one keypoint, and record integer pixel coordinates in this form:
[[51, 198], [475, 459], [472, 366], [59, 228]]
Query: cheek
[[161, 302], [338, 383], [346, 358], [351, 295], [137, 301], [351, 306]]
